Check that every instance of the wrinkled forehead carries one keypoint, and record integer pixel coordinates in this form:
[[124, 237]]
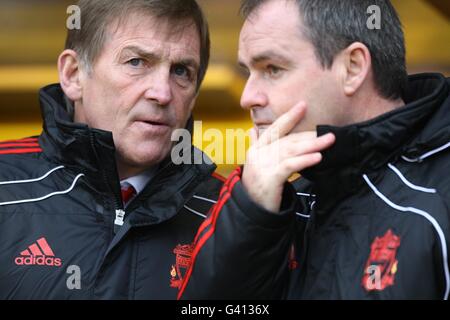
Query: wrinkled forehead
[[143, 24], [161, 37]]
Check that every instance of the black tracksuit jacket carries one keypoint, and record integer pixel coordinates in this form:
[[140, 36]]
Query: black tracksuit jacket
[[58, 196], [371, 221]]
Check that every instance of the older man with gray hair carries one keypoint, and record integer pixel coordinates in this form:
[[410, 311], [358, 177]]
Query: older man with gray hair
[[95, 208]]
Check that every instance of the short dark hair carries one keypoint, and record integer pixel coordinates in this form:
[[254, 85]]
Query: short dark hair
[[98, 15], [332, 26]]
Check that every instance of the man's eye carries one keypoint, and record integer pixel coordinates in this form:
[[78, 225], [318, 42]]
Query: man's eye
[[273, 70], [181, 71], [135, 62]]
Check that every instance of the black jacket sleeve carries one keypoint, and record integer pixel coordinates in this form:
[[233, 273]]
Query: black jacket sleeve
[[241, 250]]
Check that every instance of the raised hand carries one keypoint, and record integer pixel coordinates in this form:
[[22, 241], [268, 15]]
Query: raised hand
[[277, 153]]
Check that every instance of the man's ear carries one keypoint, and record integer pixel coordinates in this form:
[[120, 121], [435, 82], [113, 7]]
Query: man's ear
[[70, 74], [357, 63]]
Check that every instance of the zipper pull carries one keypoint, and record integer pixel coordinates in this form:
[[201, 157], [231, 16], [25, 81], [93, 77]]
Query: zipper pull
[[120, 215]]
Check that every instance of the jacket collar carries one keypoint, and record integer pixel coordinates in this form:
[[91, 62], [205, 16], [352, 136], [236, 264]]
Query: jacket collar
[[74, 145], [419, 126]]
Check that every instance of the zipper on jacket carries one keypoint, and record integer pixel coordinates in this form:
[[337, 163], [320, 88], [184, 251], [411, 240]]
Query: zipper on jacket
[[118, 222], [117, 199], [120, 210]]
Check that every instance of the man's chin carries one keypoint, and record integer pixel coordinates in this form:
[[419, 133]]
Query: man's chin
[[297, 129], [144, 156], [302, 128], [149, 159]]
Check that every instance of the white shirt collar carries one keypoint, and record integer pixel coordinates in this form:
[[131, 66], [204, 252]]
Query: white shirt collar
[[138, 182]]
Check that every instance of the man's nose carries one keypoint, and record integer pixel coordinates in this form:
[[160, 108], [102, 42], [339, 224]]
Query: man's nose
[[253, 96], [159, 89]]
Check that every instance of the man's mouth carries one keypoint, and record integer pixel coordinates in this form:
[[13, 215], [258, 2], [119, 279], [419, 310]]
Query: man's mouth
[[154, 123], [154, 120], [153, 126]]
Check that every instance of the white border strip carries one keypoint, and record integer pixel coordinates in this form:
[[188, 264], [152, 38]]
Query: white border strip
[[305, 194], [32, 180], [195, 212], [204, 199], [430, 219], [428, 154], [303, 215], [409, 184], [44, 197]]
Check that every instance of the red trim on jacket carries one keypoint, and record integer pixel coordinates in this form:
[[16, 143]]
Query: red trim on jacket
[[225, 195], [20, 146], [20, 140], [219, 177], [21, 151], [11, 145]]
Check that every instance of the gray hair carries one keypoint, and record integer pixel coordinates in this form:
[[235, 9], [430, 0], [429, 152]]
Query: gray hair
[[98, 15]]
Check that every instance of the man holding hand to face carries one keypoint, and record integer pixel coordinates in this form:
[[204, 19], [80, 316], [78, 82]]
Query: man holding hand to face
[[369, 219]]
